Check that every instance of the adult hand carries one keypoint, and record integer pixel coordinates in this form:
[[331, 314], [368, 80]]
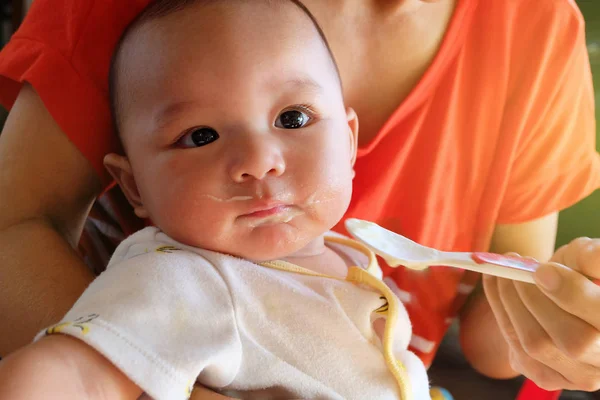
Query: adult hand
[[553, 328]]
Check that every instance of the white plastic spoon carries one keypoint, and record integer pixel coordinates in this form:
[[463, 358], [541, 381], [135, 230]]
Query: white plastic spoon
[[397, 250]]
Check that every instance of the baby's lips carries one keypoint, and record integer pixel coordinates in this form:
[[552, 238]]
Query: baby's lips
[[519, 263]]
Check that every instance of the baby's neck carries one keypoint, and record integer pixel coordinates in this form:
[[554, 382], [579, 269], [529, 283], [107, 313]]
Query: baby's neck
[[324, 261]]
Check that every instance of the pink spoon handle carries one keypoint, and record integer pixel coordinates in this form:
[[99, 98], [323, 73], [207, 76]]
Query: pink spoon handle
[[519, 263]]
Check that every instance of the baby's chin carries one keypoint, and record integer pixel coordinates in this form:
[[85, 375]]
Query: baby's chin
[[262, 248], [265, 251], [258, 243]]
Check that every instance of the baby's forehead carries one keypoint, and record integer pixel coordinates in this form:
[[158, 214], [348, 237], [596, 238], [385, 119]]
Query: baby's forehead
[[223, 22], [218, 23], [222, 44]]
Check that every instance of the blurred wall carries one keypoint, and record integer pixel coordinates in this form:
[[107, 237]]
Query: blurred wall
[[583, 219]]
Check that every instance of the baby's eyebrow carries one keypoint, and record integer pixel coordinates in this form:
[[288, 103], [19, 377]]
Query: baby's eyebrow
[[171, 110], [298, 83]]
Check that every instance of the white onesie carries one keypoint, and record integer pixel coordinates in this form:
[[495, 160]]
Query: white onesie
[[169, 315]]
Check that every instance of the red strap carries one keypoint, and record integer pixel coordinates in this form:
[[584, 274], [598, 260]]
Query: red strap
[[531, 391]]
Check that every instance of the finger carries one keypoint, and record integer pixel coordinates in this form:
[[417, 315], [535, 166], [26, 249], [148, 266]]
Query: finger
[[559, 255], [571, 291], [573, 350], [542, 375], [567, 254], [549, 377], [575, 338], [537, 353], [532, 336], [588, 258], [521, 362], [582, 254], [490, 286]]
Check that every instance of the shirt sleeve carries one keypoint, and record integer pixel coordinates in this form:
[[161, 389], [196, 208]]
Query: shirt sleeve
[[63, 49], [555, 163], [164, 317]]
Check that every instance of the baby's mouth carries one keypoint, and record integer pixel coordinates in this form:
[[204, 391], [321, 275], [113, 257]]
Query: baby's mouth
[[271, 215], [267, 211]]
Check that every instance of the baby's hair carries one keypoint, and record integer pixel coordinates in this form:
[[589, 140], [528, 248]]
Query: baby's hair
[[161, 8]]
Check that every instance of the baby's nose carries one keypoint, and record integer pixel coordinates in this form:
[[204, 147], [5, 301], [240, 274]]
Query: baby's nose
[[257, 159]]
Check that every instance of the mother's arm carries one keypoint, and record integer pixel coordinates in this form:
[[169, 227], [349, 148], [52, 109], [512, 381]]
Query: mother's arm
[[46, 190]]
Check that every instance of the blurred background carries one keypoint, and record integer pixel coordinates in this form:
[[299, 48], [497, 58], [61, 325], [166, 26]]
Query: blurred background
[[450, 369], [584, 218]]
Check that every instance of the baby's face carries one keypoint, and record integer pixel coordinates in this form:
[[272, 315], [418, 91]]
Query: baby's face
[[235, 128]]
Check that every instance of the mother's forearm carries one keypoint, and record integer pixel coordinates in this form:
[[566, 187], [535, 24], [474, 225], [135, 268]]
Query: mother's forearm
[[41, 276], [46, 190], [481, 340]]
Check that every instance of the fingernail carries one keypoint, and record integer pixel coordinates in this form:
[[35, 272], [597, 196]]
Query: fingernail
[[547, 277]]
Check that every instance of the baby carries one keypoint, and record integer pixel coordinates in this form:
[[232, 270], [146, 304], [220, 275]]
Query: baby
[[240, 151]]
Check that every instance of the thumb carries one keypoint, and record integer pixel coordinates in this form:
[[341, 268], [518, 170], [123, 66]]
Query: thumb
[[581, 255]]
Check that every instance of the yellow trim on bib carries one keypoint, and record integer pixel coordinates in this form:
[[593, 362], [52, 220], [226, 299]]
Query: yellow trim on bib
[[359, 275]]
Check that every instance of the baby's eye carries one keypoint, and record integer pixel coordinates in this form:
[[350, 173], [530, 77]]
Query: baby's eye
[[198, 137], [292, 119]]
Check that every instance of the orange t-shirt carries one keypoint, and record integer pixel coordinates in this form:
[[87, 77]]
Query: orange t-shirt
[[499, 130]]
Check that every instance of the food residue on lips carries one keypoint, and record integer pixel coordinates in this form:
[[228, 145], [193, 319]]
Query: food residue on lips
[[231, 199], [283, 217]]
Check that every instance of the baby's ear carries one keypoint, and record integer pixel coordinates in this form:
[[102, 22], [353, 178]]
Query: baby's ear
[[120, 169], [352, 119]]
